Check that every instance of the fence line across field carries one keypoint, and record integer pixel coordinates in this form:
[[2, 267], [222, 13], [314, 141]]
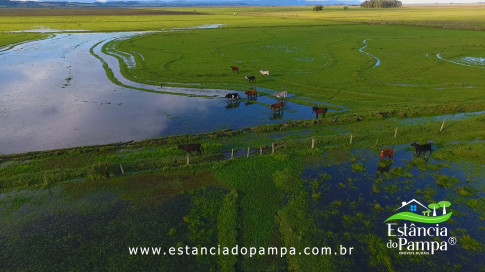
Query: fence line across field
[[313, 145]]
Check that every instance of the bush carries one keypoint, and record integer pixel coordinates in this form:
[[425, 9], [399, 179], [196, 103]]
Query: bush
[[318, 8]]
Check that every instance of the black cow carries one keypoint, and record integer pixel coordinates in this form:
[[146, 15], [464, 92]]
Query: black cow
[[188, 148], [251, 79], [421, 148], [232, 96]]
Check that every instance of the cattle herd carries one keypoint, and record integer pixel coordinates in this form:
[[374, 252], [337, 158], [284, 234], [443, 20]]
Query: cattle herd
[[278, 106], [253, 94]]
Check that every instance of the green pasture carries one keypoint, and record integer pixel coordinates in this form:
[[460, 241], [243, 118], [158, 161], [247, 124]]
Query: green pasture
[[322, 63], [15, 38], [131, 19]]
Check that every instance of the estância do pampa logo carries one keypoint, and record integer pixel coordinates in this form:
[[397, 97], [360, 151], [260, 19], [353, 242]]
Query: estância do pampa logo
[[420, 240]]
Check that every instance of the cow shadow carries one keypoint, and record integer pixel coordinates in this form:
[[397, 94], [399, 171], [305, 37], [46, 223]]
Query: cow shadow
[[232, 105], [276, 115], [383, 166]]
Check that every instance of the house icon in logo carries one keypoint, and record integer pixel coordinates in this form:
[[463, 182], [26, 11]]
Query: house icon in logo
[[413, 209], [413, 206]]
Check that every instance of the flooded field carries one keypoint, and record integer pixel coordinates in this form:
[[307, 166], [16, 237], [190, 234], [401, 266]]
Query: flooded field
[[55, 94], [355, 194]]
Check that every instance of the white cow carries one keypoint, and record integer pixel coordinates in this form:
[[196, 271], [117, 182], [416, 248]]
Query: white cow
[[283, 94], [263, 72]]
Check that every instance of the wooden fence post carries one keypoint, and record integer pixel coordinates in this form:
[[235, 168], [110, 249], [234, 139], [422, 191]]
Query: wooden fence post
[[122, 171], [395, 133], [260, 150], [313, 142], [232, 153], [272, 148], [188, 162], [350, 138], [247, 156], [442, 125]]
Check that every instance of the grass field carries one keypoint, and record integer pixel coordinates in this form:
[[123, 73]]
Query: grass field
[[81, 208], [130, 19], [324, 63]]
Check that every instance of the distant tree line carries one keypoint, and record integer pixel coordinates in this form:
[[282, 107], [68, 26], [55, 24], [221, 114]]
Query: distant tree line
[[318, 8], [381, 4]]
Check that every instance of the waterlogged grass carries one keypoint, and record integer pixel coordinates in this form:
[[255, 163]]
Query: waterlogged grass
[[260, 199], [257, 201], [9, 39]]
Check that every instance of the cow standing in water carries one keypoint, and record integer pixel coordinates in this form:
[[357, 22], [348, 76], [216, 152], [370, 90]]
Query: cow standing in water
[[278, 106], [318, 111], [232, 96], [422, 148], [189, 148], [251, 93], [251, 79], [283, 94], [389, 152]]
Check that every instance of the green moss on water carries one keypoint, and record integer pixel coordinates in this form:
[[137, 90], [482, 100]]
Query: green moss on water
[[400, 172], [466, 191], [478, 205], [375, 189], [358, 167], [470, 244], [446, 181]]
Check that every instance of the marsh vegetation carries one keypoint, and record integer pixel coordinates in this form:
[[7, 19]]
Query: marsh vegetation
[[302, 183]]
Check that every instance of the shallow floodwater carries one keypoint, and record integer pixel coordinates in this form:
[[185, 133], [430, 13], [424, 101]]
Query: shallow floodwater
[[353, 202], [55, 94]]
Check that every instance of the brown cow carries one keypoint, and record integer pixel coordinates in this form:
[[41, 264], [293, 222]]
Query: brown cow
[[387, 153], [188, 148], [235, 69], [277, 106], [251, 93], [318, 111]]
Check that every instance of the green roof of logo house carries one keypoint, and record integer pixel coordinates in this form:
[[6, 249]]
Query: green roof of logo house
[[412, 207]]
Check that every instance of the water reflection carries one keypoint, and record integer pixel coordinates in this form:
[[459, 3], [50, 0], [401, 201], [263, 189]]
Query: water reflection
[[55, 94]]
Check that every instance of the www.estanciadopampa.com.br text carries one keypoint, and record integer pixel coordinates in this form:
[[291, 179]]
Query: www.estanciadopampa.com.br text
[[236, 250]]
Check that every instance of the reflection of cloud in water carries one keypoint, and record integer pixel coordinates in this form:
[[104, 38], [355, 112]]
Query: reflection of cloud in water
[[38, 111]]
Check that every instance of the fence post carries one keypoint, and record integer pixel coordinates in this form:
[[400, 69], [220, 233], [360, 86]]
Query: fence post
[[232, 153], [260, 150], [442, 125], [122, 171], [395, 133], [313, 142], [272, 148], [247, 156], [188, 159], [350, 138]]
